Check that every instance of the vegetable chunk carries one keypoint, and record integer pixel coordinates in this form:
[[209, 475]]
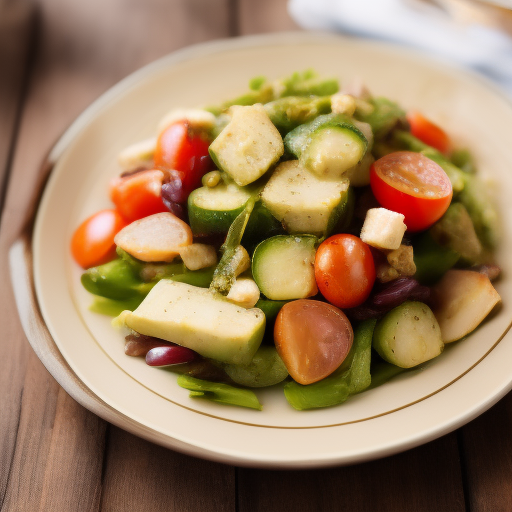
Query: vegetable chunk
[[248, 146], [463, 299]]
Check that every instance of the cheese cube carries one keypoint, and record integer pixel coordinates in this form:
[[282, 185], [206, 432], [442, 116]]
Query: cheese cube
[[383, 228]]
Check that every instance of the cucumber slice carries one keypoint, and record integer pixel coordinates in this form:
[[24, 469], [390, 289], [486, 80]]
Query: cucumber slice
[[303, 202], [328, 146], [248, 146], [408, 335], [283, 267], [212, 210]]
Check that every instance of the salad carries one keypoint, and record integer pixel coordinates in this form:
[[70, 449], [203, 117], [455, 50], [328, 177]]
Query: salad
[[302, 236]]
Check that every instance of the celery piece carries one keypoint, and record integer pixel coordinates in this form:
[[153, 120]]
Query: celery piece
[[336, 388], [112, 307], [219, 392], [382, 371]]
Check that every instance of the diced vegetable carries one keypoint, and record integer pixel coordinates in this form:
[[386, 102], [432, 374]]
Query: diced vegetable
[[213, 210], [158, 237], [303, 202], [265, 369], [408, 335], [328, 146], [138, 155], [200, 320], [383, 115], [344, 270], [196, 118], [170, 355], [197, 256], [244, 292], [462, 299], [352, 377], [283, 267], [383, 229], [313, 338], [248, 146], [219, 392]]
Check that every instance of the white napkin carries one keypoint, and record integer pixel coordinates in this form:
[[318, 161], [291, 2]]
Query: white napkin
[[481, 48]]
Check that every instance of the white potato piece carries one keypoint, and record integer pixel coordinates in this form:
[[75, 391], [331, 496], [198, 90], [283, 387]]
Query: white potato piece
[[463, 299], [383, 229], [137, 155], [196, 118], [244, 292], [159, 237], [197, 256]]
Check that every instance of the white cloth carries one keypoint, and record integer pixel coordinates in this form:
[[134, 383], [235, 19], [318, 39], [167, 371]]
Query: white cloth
[[481, 48]]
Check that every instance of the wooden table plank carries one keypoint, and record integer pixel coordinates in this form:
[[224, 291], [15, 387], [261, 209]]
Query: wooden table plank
[[142, 476], [487, 447], [47, 439]]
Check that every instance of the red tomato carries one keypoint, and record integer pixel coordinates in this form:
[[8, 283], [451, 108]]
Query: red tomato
[[312, 338], [428, 132], [93, 241], [181, 150], [344, 270], [413, 185], [138, 195]]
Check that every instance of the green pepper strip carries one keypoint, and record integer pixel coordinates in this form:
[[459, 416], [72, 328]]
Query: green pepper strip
[[218, 392], [335, 389]]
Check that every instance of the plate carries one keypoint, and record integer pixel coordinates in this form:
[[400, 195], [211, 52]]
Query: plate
[[86, 353]]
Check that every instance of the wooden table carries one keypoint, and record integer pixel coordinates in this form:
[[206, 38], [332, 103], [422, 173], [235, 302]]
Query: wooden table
[[56, 56]]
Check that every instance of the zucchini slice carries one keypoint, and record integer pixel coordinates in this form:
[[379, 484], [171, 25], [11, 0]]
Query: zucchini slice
[[212, 210], [408, 335], [302, 201], [283, 267], [328, 146]]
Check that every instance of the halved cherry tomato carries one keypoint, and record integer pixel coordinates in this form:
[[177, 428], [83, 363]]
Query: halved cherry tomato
[[428, 132], [138, 195], [344, 270], [312, 338], [413, 185], [179, 148], [93, 241]]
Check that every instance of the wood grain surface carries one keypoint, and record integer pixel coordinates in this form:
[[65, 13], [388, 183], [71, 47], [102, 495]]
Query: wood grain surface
[[57, 456]]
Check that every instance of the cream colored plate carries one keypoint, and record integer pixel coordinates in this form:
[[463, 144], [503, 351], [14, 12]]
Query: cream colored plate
[[409, 410]]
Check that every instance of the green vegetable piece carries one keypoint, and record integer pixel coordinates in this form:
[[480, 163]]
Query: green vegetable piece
[[116, 279], [271, 308], [219, 392], [306, 83], [112, 307], [385, 115], [256, 83], [383, 371], [463, 159], [289, 112], [408, 335], [482, 211], [336, 388], [265, 369], [431, 259], [455, 231], [224, 275]]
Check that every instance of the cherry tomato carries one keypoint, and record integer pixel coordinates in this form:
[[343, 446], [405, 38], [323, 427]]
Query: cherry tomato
[[312, 338], [93, 241], [179, 149], [138, 195], [413, 185], [344, 270], [428, 132]]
